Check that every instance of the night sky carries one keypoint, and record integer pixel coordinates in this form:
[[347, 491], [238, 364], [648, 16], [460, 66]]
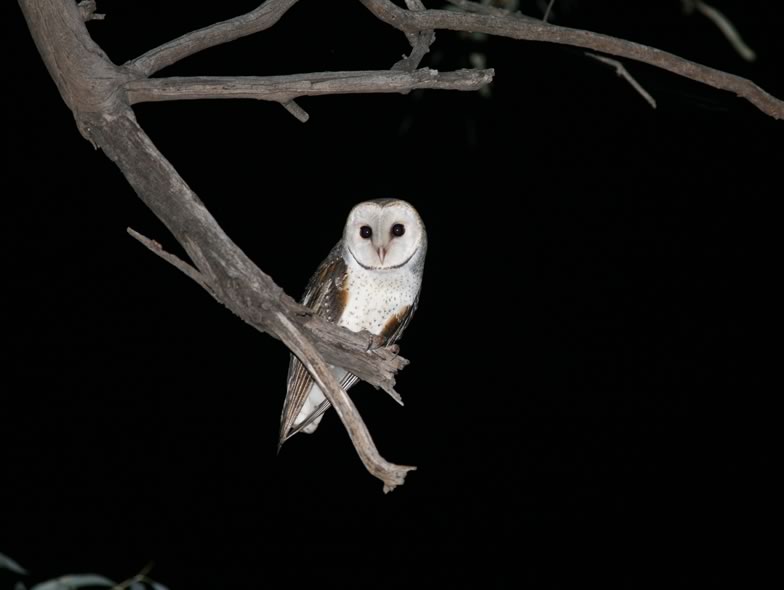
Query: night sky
[[586, 362]]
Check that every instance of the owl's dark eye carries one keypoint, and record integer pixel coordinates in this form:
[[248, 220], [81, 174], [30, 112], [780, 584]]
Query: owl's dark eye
[[398, 229], [365, 232]]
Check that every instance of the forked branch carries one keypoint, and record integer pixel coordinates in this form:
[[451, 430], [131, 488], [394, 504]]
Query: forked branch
[[259, 19]]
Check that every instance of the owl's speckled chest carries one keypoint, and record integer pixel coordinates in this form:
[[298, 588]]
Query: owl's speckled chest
[[376, 296]]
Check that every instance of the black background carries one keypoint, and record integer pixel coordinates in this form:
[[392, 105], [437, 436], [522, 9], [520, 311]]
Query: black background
[[587, 358]]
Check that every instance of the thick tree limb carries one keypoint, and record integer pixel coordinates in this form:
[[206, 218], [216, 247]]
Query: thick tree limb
[[410, 21], [254, 21], [285, 88]]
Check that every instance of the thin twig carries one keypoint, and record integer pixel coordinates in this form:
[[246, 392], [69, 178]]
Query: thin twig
[[623, 73], [259, 19], [517, 28], [547, 11], [285, 88], [724, 25], [176, 262], [392, 475], [299, 113]]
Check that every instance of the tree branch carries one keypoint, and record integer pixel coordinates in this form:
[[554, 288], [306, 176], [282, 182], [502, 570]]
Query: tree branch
[[392, 475], [254, 21], [410, 21], [420, 43], [285, 88], [176, 262]]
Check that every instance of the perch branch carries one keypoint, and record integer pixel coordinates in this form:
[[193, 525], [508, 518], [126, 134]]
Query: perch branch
[[392, 475], [254, 21], [410, 21], [285, 88]]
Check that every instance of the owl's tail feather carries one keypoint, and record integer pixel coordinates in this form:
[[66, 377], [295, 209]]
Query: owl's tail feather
[[323, 407]]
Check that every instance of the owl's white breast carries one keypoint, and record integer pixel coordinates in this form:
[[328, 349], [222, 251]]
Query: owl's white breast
[[375, 296]]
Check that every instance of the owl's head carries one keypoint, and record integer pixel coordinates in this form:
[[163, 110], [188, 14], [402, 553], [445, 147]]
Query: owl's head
[[384, 234]]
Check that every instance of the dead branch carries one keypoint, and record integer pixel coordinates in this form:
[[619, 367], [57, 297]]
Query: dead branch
[[176, 262], [259, 19], [410, 21], [392, 475], [285, 88]]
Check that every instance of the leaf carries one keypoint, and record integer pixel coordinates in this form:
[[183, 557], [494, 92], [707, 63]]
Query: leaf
[[74, 581], [157, 586], [137, 586], [9, 564]]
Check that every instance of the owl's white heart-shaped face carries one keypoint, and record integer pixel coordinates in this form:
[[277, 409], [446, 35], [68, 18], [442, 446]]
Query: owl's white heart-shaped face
[[383, 234]]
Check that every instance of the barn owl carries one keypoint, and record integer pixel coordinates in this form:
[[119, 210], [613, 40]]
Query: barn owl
[[369, 281]]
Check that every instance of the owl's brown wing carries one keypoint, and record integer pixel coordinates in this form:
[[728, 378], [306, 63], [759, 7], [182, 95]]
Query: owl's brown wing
[[326, 296], [393, 329]]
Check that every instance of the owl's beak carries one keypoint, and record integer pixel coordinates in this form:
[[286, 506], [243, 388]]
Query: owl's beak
[[382, 253]]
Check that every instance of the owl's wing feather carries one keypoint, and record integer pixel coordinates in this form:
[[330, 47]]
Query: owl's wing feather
[[396, 325], [349, 379], [326, 296]]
